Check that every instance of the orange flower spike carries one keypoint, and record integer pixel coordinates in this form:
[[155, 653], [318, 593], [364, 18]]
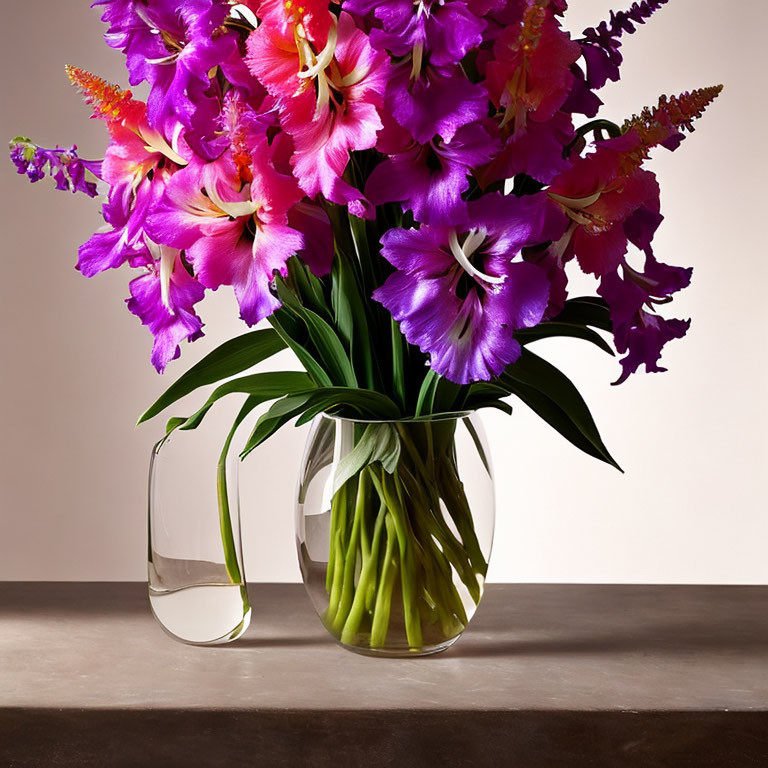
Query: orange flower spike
[[109, 102], [669, 119]]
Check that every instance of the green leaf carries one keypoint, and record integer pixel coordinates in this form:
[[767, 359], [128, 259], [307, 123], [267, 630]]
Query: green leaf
[[555, 328], [552, 395], [229, 359], [448, 396], [282, 322], [174, 423], [309, 288], [586, 310], [279, 414], [426, 396], [351, 318], [260, 386], [364, 402], [379, 442], [398, 362], [499, 405], [324, 338]]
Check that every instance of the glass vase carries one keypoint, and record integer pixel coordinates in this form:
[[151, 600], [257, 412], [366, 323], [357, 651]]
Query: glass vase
[[196, 578], [394, 530]]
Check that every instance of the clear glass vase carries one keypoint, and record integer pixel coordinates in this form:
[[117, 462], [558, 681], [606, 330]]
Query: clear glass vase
[[196, 578], [394, 530]]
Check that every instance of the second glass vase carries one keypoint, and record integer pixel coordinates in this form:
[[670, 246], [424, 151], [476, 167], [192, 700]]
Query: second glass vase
[[394, 530], [196, 578]]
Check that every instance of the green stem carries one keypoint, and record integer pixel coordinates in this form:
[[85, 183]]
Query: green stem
[[366, 581], [337, 539], [408, 578], [231, 560], [384, 595], [350, 556]]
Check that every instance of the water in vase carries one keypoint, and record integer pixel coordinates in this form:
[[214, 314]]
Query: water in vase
[[206, 614]]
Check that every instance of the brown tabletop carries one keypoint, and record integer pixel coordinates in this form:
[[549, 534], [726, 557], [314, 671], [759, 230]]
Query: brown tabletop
[[546, 675]]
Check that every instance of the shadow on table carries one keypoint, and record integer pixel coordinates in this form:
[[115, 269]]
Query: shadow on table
[[673, 638], [274, 642]]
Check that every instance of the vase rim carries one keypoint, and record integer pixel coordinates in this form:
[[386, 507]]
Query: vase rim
[[448, 416]]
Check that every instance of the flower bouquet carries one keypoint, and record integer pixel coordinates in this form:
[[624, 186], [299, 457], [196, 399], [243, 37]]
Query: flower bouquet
[[399, 189]]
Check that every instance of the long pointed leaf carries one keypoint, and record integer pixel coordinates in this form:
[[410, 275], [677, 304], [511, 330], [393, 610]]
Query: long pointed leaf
[[260, 386], [557, 329], [231, 358], [323, 337], [312, 367], [555, 398]]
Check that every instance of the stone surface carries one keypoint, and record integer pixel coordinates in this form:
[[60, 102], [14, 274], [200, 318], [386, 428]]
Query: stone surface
[[547, 675]]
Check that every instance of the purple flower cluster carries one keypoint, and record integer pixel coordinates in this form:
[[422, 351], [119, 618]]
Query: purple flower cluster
[[68, 170], [601, 44], [271, 124]]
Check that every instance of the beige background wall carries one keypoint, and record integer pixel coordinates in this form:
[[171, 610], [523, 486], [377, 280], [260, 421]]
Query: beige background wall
[[75, 373]]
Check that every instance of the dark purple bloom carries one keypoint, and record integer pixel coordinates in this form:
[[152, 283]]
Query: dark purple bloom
[[459, 293], [581, 100], [430, 179], [600, 46], [173, 45], [446, 30], [69, 171], [536, 150], [163, 299], [638, 331], [434, 101]]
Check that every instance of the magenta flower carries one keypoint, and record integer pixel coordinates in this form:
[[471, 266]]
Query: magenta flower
[[429, 180], [529, 76], [138, 164], [459, 293], [431, 101], [232, 233], [638, 330], [608, 203], [163, 299]]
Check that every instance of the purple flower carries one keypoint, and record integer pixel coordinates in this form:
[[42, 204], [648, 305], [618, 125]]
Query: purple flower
[[430, 179], [600, 46], [125, 238], [65, 167], [174, 45], [458, 292], [536, 150], [436, 101], [638, 331], [163, 299], [446, 30], [581, 100]]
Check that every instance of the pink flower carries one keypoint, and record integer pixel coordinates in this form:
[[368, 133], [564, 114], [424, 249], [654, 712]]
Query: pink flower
[[233, 233], [329, 101]]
